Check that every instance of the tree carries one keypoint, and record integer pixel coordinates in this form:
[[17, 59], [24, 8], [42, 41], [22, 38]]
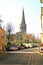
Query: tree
[[34, 39], [9, 30]]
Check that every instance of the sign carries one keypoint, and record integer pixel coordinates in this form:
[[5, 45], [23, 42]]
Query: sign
[[41, 48]]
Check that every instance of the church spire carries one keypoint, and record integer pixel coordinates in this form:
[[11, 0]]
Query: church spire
[[23, 24], [23, 17]]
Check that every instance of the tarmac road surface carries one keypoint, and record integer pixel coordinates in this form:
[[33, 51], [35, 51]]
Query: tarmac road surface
[[26, 58]]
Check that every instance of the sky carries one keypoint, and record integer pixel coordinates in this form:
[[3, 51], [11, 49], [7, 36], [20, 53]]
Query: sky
[[11, 12]]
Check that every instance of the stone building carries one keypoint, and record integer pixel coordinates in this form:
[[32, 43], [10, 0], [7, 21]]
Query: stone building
[[41, 34], [41, 1], [2, 38], [22, 36]]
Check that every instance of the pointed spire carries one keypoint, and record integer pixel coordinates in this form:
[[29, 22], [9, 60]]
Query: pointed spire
[[23, 17], [23, 24]]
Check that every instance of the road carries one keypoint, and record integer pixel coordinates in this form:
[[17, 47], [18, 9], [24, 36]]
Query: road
[[28, 57]]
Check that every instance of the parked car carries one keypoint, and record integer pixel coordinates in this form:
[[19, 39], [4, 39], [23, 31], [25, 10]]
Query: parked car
[[28, 46], [20, 47], [12, 48], [35, 45]]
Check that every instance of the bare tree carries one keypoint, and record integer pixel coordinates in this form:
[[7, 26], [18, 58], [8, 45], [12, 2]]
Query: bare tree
[[9, 30]]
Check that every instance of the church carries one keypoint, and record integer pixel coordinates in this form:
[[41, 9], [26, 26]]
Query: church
[[22, 36]]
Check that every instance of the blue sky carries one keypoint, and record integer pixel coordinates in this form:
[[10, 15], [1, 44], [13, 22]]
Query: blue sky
[[11, 11]]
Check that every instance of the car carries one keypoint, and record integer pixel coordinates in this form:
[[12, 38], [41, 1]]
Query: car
[[12, 48], [35, 45], [20, 47], [28, 46]]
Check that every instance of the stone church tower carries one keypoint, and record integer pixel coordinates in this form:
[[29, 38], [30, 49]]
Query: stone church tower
[[23, 24]]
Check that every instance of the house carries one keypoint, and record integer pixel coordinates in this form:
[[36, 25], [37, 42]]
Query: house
[[2, 39]]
